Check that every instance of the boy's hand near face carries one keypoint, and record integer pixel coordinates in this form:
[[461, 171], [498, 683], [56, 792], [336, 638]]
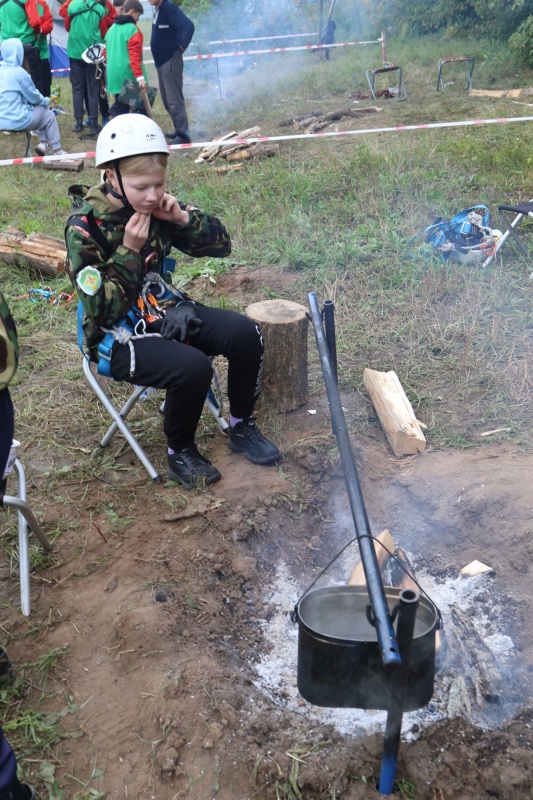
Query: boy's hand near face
[[136, 231], [169, 210]]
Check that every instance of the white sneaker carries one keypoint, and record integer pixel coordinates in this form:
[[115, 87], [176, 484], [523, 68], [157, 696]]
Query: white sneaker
[[41, 149], [60, 152]]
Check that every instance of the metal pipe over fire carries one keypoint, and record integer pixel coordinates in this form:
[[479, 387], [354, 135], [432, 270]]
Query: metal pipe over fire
[[384, 630]]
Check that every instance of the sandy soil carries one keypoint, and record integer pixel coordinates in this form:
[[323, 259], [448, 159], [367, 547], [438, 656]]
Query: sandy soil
[[181, 660]]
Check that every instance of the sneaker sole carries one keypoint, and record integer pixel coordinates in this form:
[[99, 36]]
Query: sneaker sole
[[261, 461], [191, 484]]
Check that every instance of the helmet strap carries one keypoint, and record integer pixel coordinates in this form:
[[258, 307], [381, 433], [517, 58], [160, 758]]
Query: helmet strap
[[122, 197]]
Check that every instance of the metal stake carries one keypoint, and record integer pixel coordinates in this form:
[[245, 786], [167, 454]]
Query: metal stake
[[404, 637]]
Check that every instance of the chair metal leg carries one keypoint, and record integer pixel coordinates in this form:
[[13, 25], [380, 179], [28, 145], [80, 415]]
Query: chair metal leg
[[26, 519], [512, 232], [510, 226], [119, 417], [212, 405], [118, 421]]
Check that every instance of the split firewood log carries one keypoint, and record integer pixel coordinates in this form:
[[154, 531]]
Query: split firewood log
[[357, 578], [208, 153], [246, 134]]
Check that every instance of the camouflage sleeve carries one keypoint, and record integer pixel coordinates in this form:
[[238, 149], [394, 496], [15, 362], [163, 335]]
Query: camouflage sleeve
[[205, 235], [9, 346], [107, 288]]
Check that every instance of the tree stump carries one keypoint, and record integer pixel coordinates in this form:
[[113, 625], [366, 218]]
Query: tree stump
[[284, 327]]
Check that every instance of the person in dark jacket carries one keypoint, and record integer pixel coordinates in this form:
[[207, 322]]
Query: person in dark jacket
[[172, 32], [140, 328]]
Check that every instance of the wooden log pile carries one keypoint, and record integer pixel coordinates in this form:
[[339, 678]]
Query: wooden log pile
[[317, 120], [45, 254], [237, 153]]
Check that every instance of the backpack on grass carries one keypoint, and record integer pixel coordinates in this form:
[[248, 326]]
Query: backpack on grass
[[466, 237]]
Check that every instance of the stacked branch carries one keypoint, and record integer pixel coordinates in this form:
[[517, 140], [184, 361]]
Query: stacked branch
[[317, 120], [235, 153], [45, 254]]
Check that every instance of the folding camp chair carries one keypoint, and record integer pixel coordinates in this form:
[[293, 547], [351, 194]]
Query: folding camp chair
[[26, 520], [119, 415], [522, 210]]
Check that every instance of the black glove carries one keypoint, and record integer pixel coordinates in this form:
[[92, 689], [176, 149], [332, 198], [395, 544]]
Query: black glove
[[181, 322]]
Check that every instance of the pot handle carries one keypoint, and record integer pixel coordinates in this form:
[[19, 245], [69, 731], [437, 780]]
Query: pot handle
[[370, 614]]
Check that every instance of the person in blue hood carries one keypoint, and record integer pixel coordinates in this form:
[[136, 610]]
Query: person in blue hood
[[22, 106]]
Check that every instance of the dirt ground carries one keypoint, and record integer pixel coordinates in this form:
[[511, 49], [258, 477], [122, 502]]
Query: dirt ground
[[166, 602]]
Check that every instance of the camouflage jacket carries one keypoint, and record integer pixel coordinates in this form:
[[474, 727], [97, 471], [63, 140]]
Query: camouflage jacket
[[94, 235], [9, 346]]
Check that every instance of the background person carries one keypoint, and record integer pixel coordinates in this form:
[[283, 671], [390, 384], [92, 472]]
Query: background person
[[47, 25], [172, 32], [105, 23], [118, 231], [22, 106], [124, 52], [82, 23], [21, 20]]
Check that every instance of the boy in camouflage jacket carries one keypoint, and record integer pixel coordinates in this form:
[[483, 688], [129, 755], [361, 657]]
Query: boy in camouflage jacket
[[139, 327]]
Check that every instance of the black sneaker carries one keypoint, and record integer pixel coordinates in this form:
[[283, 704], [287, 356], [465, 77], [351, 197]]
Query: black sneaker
[[189, 467], [179, 139], [246, 438], [78, 128]]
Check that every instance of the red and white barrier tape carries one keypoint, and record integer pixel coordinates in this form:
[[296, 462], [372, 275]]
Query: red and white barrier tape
[[264, 38], [235, 53], [291, 137]]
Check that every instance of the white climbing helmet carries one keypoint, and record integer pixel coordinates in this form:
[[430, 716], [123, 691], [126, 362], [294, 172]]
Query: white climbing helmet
[[94, 54], [129, 135]]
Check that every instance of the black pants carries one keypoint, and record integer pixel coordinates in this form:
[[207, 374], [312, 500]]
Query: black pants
[[170, 78], [84, 85], [185, 370], [7, 428], [46, 77], [31, 54]]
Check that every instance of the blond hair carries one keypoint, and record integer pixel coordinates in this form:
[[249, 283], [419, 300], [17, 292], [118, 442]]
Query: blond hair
[[132, 166]]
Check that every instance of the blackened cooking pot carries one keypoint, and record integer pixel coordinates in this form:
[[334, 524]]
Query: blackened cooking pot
[[339, 659]]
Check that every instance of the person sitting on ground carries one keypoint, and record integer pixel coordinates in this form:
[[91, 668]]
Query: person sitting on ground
[[145, 331], [124, 52], [22, 106]]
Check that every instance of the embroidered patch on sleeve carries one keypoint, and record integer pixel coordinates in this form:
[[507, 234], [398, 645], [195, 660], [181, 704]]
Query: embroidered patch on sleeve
[[89, 280]]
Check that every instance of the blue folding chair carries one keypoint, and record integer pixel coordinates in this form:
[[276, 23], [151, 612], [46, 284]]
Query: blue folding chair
[[94, 379]]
